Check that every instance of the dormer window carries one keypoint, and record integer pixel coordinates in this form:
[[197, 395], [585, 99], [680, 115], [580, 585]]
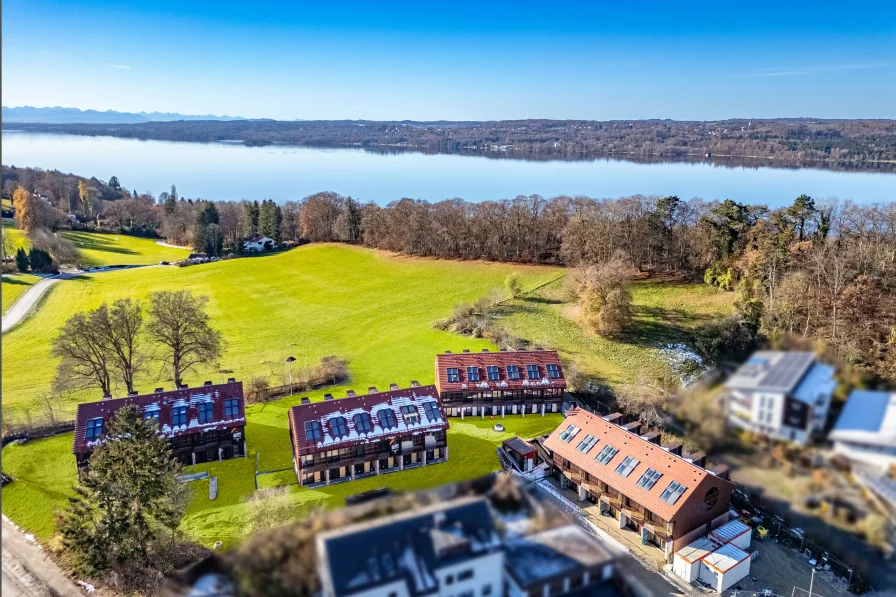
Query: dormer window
[[94, 429], [432, 411], [205, 412], [553, 371], [362, 423], [312, 431], [453, 375], [513, 372], [387, 418], [493, 373], [409, 412], [472, 373], [338, 427], [179, 416], [232, 408], [151, 413], [532, 372]]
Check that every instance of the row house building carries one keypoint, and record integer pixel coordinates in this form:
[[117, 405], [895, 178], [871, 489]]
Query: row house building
[[364, 435], [500, 383], [203, 424], [664, 496]]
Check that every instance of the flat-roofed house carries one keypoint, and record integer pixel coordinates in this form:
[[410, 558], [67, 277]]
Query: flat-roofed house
[[363, 435], [782, 394], [500, 383], [203, 424], [865, 432], [666, 498]]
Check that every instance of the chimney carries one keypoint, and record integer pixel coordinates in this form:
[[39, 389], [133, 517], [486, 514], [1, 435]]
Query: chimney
[[183, 386], [466, 351], [673, 448], [306, 400], [615, 418], [447, 352], [633, 427], [328, 396], [393, 387], [132, 394], [652, 436], [721, 471], [231, 380], [372, 390], [207, 383], [107, 396], [415, 383], [484, 350], [350, 394], [159, 390], [697, 458]]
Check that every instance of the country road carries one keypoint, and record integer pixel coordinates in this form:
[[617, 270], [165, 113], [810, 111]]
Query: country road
[[27, 571], [27, 301]]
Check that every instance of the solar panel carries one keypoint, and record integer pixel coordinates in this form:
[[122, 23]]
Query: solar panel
[[673, 492], [649, 478], [586, 444], [606, 455], [627, 465], [362, 422], [432, 411], [338, 426]]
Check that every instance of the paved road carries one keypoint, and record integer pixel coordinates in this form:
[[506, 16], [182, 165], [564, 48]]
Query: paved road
[[27, 571], [26, 302]]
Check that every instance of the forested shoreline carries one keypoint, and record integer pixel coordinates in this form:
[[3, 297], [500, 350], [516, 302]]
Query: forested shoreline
[[840, 144]]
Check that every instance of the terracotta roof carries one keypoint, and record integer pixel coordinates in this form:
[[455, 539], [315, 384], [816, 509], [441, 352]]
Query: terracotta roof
[[371, 404], [484, 359], [189, 397], [648, 455]]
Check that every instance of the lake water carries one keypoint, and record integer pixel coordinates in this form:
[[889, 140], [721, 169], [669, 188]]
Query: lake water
[[225, 171]]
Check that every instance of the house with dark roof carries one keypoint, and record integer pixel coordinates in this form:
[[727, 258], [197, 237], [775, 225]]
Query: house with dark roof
[[445, 549], [257, 243], [865, 432], [364, 435], [500, 383], [666, 498], [203, 424], [782, 394]]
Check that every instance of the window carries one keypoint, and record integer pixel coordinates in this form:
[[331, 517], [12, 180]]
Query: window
[[493, 374], [410, 414], [649, 479], [205, 412], [151, 413], [570, 433], [472, 373], [586, 444], [432, 411], [179, 416], [553, 371], [673, 492], [532, 372], [312, 431], [362, 423], [387, 418], [338, 426], [453, 375], [627, 465], [513, 372], [486, 590], [711, 498], [94, 429], [465, 574], [606, 455], [231, 408], [449, 579]]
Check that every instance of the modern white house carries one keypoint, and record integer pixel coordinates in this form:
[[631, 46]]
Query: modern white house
[[785, 395], [719, 560], [865, 433], [257, 243]]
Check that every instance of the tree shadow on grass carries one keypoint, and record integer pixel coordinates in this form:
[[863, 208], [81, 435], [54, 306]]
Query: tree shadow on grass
[[16, 281], [539, 300], [656, 325]]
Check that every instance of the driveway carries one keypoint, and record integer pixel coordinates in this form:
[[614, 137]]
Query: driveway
[[27, 301]]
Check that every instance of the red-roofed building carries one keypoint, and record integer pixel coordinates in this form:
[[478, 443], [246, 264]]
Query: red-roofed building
[[665, 497], [203, 424], [372, 434], [500, 383]]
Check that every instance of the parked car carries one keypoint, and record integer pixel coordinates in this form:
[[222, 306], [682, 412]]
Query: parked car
[[164, 263]]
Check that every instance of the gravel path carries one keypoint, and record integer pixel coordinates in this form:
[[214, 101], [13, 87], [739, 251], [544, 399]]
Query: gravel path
[[27, 301]]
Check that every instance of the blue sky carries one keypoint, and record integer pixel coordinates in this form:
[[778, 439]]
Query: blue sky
[[455, 61]]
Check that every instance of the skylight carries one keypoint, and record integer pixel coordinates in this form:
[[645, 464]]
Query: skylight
[[312, 431], [627, 465], [569, 433], [387, 418], [493, 373], [453, 375], [586, 444], [606, 455], [513, 372], [472, 373], [553, 371], [362, 423], [432, 411], [94, 429], [649, 478], [673, 492], [338, 426], [532, 372]]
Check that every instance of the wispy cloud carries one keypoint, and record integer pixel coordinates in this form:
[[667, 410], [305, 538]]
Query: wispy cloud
[[814, 70], [119, 66]]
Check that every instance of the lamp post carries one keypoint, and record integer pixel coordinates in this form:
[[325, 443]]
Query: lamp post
[[289, 361]]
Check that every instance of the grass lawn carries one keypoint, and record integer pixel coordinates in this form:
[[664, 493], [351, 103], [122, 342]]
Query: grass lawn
[[120, 249], [21, 239], [664, 313], [14, 286]]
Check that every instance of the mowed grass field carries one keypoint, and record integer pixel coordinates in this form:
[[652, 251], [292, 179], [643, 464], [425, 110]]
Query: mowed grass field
[[120, 249], [14, 286]]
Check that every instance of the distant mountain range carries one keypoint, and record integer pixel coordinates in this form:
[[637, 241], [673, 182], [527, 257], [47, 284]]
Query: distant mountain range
[[59, 115]]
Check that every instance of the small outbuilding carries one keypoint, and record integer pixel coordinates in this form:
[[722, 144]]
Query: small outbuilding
[[735, 532], [725, 567], [521, 452]]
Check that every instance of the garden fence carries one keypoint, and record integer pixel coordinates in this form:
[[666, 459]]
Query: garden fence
[[36, 432]]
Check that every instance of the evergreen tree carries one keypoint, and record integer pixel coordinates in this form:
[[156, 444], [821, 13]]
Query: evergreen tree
[[22, 260], [252, 215], [270, 220], [202, 240], [127, 500], [40, 261]]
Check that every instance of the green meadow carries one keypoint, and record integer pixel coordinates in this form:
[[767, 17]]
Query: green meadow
[[14, 286], [372, 309], [120, 249]]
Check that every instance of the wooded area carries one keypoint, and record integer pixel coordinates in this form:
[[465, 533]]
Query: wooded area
[[846, 144]]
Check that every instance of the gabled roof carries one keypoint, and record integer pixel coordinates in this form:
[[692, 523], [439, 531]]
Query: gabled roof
[[370, 404], [483, 360], [408, 546], [648, 455], [256, 238], [772, 371], [165, 402], [868, 417]]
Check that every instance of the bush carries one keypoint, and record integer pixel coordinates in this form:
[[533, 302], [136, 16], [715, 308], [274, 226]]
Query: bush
[[730, 339], [257, 390], [41, 261]]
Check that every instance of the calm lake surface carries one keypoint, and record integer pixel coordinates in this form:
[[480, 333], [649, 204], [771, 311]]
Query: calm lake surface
[[224, 171]]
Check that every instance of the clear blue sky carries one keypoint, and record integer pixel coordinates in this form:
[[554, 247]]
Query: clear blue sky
[[457, 61]]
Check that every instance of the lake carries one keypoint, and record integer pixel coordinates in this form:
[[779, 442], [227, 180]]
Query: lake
[[232, 171]]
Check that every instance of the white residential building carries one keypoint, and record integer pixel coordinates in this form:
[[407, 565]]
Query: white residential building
[[783, 394], [866, 430], [258, 243], [720, 560]]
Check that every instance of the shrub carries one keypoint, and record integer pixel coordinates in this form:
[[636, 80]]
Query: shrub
[[41, 261]]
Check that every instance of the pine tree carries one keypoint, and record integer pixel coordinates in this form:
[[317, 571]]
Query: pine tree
[[22, 260], [127, 500]]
